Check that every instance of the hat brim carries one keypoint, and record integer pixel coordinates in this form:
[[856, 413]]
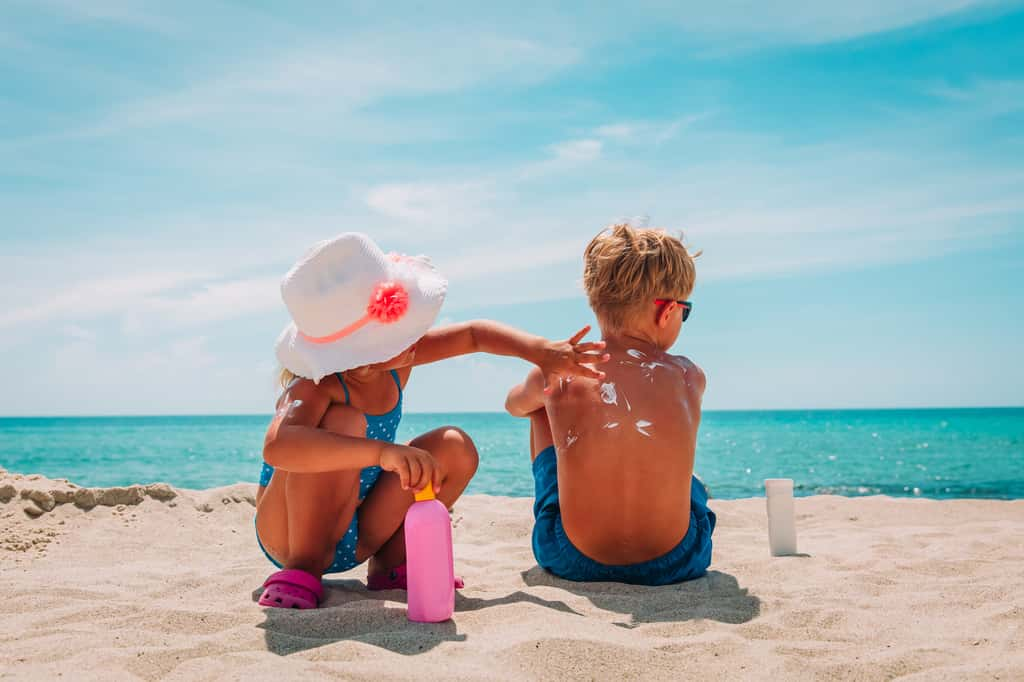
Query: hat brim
[[376, 341]]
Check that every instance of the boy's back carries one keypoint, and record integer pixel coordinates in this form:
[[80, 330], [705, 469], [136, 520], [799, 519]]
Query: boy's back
[[615, 496], [625, 453]]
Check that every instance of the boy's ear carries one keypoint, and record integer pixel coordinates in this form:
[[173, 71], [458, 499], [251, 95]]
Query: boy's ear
[[665, 314]]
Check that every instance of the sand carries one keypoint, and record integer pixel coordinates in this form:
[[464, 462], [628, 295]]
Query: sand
[[147, 583]]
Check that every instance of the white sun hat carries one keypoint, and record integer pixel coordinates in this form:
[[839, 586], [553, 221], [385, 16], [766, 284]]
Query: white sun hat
[[353, 305]]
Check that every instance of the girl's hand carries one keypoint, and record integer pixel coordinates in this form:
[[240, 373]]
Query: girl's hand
[[415, 467], [570, 358]]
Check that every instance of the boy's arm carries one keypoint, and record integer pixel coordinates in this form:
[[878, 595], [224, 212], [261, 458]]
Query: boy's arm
[[700, 380], [527, 397], [554, 358], [695, 376]]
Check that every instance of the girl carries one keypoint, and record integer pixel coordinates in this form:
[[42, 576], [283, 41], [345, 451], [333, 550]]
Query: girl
[[335, 487]]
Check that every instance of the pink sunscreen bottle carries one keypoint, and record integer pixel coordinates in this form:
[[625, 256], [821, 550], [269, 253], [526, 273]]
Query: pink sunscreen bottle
[[428, 555]]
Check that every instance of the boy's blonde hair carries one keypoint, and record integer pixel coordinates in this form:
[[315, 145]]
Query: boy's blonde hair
[[626, 268]]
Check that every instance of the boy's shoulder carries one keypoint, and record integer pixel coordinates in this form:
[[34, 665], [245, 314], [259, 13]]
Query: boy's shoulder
[[692, 374], [684, 362]]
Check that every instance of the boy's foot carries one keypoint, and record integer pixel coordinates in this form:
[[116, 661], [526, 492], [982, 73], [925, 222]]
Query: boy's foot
[[397, 579]]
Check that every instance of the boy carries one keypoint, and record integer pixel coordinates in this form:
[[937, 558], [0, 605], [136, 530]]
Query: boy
[[616, 499]]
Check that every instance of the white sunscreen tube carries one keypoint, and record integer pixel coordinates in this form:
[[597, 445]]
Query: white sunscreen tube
[[781, 516]]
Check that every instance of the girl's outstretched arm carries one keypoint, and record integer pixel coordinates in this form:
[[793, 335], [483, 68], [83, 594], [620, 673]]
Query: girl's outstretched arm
[[554, 358]]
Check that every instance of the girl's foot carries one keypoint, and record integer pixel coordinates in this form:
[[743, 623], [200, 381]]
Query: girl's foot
[[292, 589], [397, 579]]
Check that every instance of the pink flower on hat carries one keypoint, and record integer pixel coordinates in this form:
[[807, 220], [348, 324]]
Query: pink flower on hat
[[388, 303]]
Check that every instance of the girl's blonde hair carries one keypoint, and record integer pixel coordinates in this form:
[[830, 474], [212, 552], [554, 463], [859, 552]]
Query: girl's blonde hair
[[285, 377], [625, 268]]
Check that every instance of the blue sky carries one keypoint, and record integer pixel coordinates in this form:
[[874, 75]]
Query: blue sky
[[852, 172]]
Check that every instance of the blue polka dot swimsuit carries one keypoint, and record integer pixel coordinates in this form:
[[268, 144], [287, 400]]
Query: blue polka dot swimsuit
[[382, 427]]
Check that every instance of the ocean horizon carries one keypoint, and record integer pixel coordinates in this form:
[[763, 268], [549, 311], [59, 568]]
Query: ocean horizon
[[904, 452]]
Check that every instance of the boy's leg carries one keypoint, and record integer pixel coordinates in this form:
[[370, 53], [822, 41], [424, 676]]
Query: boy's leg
[[540, 433], [546, 510], [381, 534]]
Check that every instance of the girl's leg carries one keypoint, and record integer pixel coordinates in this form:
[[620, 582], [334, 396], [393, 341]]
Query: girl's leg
[[540, 433], [301, 517], [382, 513]]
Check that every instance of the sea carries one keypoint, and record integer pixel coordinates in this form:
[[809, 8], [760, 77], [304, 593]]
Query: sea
[[934, 453]]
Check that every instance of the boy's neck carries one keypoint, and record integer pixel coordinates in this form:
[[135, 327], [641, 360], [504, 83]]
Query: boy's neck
[[630, 338]]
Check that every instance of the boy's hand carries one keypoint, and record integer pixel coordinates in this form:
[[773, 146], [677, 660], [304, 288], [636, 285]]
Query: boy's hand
[[415, 467], [570, 358]]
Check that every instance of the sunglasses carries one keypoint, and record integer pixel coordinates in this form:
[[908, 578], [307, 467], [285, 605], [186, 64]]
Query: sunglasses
[[685, 305]]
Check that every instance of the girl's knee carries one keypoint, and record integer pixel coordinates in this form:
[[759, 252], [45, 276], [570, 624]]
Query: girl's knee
[[461, 452], [452, 447], [344, 420]]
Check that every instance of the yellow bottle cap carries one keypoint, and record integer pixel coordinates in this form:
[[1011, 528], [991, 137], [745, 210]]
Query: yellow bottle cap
[[426, 494]]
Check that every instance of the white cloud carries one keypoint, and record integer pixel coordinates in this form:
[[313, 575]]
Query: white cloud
[[432, 203], [650, 132], [219, 301], [987, 97], [887, 212], [133, 14], [616, 130], [307, 88], [783, 21], [502, 256], [78, 333], [602, 140], [190, 351], [176, 375], [745, 23], [145, 303], [94, 298], [577, 150]]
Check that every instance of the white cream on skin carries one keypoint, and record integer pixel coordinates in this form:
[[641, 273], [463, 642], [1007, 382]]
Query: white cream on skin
[[285, 410], [642, 424], [649, 368], [608, 394]]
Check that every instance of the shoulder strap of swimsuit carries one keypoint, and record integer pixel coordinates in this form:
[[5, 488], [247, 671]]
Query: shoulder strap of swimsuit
[[343, 386], [398, 382]]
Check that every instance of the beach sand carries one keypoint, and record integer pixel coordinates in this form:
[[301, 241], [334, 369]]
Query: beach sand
[[156, 583]]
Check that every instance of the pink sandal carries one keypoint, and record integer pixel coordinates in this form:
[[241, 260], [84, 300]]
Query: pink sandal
[[397, 579], [292, 589]]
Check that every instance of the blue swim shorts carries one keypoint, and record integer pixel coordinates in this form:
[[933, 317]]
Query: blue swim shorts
[[556, 553]]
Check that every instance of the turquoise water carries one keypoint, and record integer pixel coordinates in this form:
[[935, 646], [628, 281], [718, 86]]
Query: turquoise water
[[931, 453]]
